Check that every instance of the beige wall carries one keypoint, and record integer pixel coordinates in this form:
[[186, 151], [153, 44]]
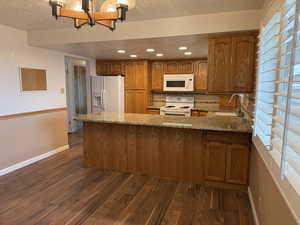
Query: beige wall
[[23, 138], [270, 205]]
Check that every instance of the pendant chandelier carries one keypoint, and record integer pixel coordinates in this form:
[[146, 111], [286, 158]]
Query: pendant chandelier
[[92, 12]]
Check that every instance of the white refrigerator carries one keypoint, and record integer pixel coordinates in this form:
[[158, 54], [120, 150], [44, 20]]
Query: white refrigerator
[[107, 93]]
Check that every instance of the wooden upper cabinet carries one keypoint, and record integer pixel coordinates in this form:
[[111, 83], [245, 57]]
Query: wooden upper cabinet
[[158, 70], [243, 59], [237, 164], [219, 78], [117, 67], [136, 75], [109, 67], [200, 73], [130, 74], [172, 67], [141, 74], [231, 63], [186, 67], [103, 67], [179, 67]]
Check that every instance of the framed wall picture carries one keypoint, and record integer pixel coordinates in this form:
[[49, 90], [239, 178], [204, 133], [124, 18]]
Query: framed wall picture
[[33, 79]]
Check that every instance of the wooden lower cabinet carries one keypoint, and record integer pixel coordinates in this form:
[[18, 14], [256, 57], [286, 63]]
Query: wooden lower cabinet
[[237, 164], [136, 101], [215, 161], [227, 162]]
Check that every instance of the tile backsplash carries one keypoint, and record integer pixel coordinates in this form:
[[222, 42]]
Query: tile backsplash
[[159, 100]]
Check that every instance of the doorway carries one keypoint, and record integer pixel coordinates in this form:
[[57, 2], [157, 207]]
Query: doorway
[[77, 86]]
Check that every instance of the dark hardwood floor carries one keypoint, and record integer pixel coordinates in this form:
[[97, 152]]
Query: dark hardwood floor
[[59, 190]]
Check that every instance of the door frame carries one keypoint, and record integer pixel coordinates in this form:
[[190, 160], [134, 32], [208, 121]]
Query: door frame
[[70, 62]]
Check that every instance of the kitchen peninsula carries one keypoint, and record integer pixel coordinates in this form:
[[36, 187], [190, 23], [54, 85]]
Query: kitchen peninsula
[[211, 150]]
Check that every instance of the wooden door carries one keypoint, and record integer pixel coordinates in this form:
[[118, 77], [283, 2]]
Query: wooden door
[[103, 67], [157, 75], [172, 67], [186, 67], [219, 67], [243, 63], [215, 161], [135, 101], [200, 72], [237, 164]]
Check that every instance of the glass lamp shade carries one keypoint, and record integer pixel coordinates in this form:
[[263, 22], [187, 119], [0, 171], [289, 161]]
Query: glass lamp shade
[[109, 6], [131, 3]]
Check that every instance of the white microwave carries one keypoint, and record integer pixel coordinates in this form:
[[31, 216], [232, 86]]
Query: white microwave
[[179, 82]]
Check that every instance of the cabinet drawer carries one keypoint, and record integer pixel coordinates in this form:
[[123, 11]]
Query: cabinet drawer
[[229, 138]]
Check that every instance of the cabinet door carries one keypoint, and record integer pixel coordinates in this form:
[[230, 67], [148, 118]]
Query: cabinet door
[[103, 67], [243, 60], [135, 101], [116, 67], [141, 74], [219, 67], [185, 67], [200, 72], [215, 161], [237, 164], [130, 71], [157, 75], [172, 67]]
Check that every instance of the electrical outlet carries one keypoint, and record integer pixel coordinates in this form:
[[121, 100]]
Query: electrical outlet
[[62, 90]]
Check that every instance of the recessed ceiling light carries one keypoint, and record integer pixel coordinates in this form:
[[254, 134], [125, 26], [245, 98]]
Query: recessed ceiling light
[[133, 56], [150, 50], [159, 54], [182, 48], [121, 51], [188, 53]]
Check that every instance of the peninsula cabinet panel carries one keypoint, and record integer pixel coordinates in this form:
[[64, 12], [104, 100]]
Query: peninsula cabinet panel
[[243, 57], [135, 101], [219, 65], [237, 164], [158, 70], [200, 73], [215, 161]]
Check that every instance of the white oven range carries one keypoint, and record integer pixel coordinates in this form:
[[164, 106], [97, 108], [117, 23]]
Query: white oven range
[[178, 106]]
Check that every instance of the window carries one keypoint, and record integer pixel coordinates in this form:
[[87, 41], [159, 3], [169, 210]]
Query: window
[[277, 121]]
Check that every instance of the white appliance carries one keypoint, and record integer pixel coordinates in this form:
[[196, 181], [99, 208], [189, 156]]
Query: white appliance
[[178, 106], [107, 93], [179, 82]]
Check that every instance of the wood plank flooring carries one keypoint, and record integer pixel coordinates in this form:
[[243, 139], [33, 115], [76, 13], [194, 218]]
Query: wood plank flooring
[[59, 190]]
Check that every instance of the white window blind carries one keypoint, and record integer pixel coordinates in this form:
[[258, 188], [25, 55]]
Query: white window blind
[[290, 163], [267, 70], [277, 121]]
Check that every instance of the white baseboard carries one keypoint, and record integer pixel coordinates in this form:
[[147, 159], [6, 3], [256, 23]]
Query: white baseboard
[[256, 221], [32, 160]]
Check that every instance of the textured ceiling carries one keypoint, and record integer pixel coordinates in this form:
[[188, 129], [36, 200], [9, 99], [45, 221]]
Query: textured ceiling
[[197, 44], [36, 14]]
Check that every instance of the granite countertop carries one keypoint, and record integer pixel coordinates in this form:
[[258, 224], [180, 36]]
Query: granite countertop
[[217, 123]]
